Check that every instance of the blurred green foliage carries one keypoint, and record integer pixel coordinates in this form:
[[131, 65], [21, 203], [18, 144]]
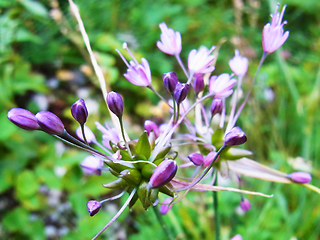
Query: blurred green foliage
[[41, 184]]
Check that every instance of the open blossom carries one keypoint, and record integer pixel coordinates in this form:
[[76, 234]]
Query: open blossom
[[273, 35], [222, 85], [170, 40], [139, 74], [200, 61], [239, 64]]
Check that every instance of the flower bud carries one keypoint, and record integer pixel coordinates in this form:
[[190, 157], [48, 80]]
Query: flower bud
[[170, 81], [300, 177], [50, 123], [163, 173], [216, 106], [235, 137], [87, 132], [166, 206], [181, 92], [198, 83], [196, 158], [237, 237], [79, 111], [245, 204], [92, 165], [93, 207], [23, 119], [209, 158], [151, 126], [115, 103]]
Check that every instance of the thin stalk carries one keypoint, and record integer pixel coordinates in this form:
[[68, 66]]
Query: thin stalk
[[84, 136], [158, 94], [124, 137], [174, 108], [216, 208], [181, 65], [162, 224]]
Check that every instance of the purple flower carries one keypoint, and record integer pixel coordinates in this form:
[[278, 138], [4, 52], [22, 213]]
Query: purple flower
[[216, 106], [222, 85], [151, 126], [245, 204], [209, 158], [300, 177], [23, 119], [93, 207], [166, 206], [50, 123], [273, 35], [235, 137], [92, 165], [87, 132], [198, 83], [237, 237], [115, 103], [196, 158], [170, 40], [79, 111], [163, 173], [170, 81], [181, 92], [239, 64], [200, 61], [109, 135]]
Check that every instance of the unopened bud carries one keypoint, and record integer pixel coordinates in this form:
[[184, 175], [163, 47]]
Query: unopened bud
[[50, 123], [196, 158], [209, 158], [163, 173], [23, 119], [216, 106], [93, 207], [245, 204], [170, 81], [79, 111], [235, 137], [181, 92], [115, 103], [300, 177], [92, 165], [198, 83], [151, 126], [166, 206]]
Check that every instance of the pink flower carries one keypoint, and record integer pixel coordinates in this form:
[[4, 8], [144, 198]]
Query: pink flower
[[239, 64], [199, 61], [272, 34], [170, 40], [237, 237], [222, 85]]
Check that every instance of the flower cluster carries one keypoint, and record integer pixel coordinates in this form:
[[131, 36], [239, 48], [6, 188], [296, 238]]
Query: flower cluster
[[153, 165]]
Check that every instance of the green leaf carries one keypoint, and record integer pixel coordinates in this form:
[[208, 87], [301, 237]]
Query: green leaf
[[143, 146], [16, 219], [26, 185], [36, 8]]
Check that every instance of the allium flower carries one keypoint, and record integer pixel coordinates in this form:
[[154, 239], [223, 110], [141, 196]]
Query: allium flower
[[181, 92], [170, 80], [196, 158], [209, 158], [245, 204], [198, 83], [23, 119], [115, 103], [235, 137], [273, 35], [163, 173], [92, 165], [93, 207], [109, 135], [239, 64], [216, 106], [236, 237], [50, 123], [222, 85], [199, 61], [166, 206], [300, 177], [79, 111], [170, 40]]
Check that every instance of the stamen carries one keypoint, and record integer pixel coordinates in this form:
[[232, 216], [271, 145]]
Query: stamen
[[125, 46], [123, 58]]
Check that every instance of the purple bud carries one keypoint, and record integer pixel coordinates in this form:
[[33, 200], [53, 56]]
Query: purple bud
[[170, 81], [300, 177], [245, 204], [151, 126], [209, 158], [235, 137], [237, 237], [181, 92], [93, 207], [115, 103], [50, 123], [79, 111], [198, 83], [196, 158], [216, 106], [163, 173], [166, 206], [23, 119], [92, 165]]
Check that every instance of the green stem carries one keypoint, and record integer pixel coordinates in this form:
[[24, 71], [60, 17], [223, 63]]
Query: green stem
[[84, 136], [124, 137], [216, 208], [162, 224]]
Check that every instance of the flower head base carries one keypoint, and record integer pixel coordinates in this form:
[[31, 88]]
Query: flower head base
[[273, 36], [239, 64], [93, 207], [300, 177], [115, 103], [79, 111], [23, 119], [245, 204], [163, 173], [50, 123], [235, 137], [222, 85], [181, 92], [200, 61], [170, 40]]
